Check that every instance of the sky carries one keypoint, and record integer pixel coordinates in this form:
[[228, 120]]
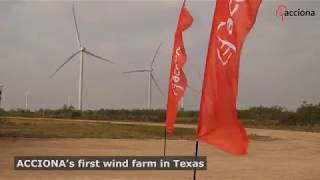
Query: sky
[[279, 62]]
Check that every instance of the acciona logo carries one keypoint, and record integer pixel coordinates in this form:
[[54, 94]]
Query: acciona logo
[[282, 11]]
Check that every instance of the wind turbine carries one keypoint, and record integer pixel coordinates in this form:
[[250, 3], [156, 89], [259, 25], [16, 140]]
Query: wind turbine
[[182, 103], [27, 99], [151, 77], [82, 50], [182, 98], [192, 90]]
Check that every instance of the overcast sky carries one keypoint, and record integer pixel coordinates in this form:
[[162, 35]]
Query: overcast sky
[[279, 62]]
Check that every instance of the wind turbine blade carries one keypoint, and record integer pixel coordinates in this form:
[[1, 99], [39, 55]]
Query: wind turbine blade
[[76, 25], [155, 54], [157, 85], [98, 57], [136, 71], [69, 59]]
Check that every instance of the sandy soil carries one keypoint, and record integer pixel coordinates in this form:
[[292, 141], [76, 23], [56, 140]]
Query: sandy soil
[[293, 155]]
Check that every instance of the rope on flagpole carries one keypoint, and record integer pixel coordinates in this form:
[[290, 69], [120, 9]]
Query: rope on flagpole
[[196, 156]]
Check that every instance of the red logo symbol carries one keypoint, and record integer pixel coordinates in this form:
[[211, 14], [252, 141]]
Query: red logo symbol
[[280, 12]]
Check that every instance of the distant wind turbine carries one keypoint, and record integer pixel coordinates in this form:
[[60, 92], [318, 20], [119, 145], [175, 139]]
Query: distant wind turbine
[[27, 99], [182, 98], [82, 50], [151, 77], [192, 89]]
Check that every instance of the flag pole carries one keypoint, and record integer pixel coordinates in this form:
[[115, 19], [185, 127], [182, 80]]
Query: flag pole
[[196, 155], [165, 142]]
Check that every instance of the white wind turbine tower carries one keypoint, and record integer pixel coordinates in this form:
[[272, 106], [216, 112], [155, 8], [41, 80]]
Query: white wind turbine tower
[[27, 99], [182, 98], [151, 77], [82, 50], [182, 103]]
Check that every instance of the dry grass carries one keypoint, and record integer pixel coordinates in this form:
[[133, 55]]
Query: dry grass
[[37, 128]]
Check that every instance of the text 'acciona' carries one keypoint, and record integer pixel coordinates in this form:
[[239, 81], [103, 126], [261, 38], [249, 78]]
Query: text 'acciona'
[[283, 11]]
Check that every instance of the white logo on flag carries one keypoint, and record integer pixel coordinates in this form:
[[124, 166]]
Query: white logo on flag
[[227, 49], [176, 73]]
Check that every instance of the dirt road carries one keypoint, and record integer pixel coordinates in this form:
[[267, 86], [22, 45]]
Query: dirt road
[[291, 155]]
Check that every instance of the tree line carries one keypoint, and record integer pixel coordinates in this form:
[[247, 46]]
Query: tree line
[[306, 114]]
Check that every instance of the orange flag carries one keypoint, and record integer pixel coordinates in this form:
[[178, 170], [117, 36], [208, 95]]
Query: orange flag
[[177, 78], [218, 122]]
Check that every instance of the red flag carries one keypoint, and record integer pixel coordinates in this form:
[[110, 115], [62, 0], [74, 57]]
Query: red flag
[[177, 78], [218, 122]]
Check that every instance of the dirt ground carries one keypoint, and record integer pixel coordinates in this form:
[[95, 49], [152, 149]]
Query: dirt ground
[[290, 155]]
